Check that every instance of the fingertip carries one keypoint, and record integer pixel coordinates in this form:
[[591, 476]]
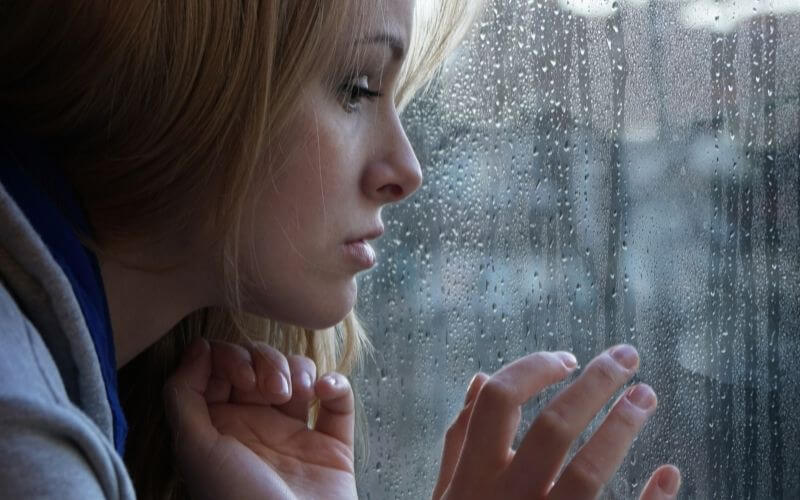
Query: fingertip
[[669, 480], [333, 380], [474, 387], [276, 387], [304, 373], [643, 397], [337, 407], [663, 484], [304, 380], [626, 355], [272, 372], [331, 385], [568, 359]]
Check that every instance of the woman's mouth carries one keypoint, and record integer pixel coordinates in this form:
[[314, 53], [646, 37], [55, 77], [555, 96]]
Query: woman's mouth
[[361, 254]]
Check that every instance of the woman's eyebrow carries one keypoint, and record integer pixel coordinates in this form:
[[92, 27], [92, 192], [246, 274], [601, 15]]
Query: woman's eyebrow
[[394, 42]]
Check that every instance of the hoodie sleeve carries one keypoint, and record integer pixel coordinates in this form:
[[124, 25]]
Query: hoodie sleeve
[[49, 448], [38, 458]]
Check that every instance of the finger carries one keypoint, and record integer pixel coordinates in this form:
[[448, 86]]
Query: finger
[[336, 412], [304, 373], [663, 484], [233, 363], [454, 438], [272, 374], [185, 404], [599, 459], [496, 415], [563, 420], [231, 368], [218, 390]]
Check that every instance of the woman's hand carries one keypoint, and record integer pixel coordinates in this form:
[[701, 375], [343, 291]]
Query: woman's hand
[[478, 461], [240, 417]]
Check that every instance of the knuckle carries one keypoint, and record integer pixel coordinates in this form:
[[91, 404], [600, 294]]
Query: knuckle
[[267, 350], [239, 350], [541, 357], [626, 417], [607, 371], [301, 361], [271, 355], [586, 474], [495, 392], [550, 361], [454, 431], [227, 349], [552, 422]]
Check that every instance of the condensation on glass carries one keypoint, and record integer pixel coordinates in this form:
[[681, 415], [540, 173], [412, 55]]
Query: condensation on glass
[[601, 172]]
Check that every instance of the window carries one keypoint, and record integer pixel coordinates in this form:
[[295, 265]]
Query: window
[[603, 171]]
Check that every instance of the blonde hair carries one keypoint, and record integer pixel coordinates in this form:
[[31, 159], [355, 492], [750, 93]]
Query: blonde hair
[[151, 106]]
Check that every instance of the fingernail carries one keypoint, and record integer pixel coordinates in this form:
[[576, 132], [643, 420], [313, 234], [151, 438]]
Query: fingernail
[[331, 379], [642, 396], [626, 356], [247, 375], [669, 482], [568, 359], [277, 384], [304, 379], [470, 390]]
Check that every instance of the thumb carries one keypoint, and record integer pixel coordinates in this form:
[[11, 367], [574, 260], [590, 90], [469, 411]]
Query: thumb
[[185, 404], [337, 407], [663, 484]]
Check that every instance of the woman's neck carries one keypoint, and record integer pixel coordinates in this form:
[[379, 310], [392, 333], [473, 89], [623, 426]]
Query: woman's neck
[[144, 303]]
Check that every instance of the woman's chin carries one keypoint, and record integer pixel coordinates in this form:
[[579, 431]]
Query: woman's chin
[[330, 311], [318, 310]]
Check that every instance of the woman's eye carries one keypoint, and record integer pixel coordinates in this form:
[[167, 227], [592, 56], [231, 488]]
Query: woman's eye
[[356, 90]]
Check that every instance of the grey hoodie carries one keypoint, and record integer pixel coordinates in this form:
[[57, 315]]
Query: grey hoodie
[[56, 435]]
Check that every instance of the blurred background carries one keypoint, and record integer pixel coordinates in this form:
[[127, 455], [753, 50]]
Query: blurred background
[[597, 172]]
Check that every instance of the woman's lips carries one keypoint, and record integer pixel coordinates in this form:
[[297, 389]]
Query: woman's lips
[[371, 234], [360, 253]]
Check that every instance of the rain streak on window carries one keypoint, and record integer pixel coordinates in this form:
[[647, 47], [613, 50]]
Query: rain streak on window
[[600, 172]]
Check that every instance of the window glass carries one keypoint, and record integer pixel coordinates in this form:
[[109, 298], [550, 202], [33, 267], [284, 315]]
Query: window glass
[[598, 172]]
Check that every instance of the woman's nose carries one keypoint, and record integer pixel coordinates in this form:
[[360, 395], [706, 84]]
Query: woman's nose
[[394, 174]]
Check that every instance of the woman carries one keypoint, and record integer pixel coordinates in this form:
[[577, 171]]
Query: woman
[[182, 172]]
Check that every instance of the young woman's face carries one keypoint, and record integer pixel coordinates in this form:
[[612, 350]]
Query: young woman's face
[[344, 157]]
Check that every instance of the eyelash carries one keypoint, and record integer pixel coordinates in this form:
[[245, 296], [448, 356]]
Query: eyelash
[[354, 93]]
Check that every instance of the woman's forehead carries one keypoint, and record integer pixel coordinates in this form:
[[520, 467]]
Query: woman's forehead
[[395, 17], [377, 23]]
